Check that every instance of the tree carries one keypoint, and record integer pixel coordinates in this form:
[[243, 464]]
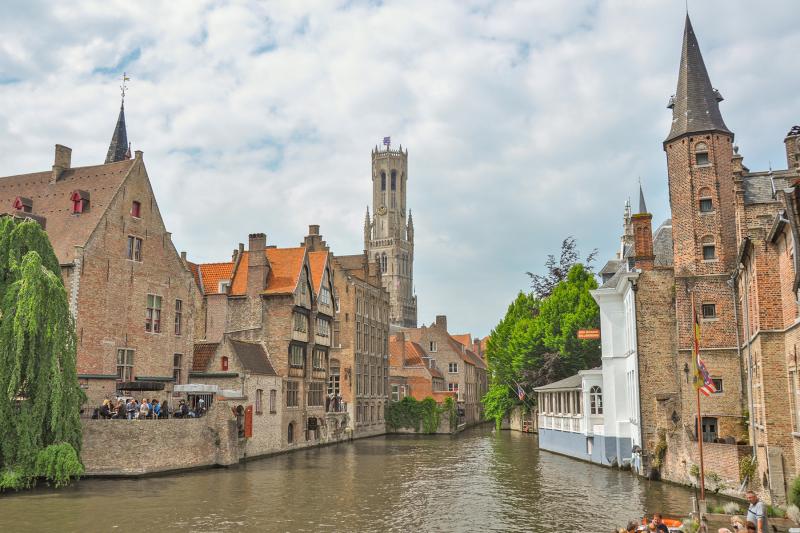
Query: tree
[[543, 284], [40, 430]]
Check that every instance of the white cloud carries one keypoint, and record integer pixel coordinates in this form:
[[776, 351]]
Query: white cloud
[[525, 121]]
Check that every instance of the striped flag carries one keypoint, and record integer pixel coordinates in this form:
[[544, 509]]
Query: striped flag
[[702, 379], [520, 392], [387, 141]]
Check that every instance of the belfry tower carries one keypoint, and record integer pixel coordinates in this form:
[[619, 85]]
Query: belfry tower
[[389, 235]]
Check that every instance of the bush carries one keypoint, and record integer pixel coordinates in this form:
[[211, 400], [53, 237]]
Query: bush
[[731, 508], [794, 492], [421, 416], [58, 464]]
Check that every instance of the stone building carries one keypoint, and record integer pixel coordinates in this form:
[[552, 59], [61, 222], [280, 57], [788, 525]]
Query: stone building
[[464, 372], [359, 366], [389, 235], [414, 373], [129, 291], [266, 296]]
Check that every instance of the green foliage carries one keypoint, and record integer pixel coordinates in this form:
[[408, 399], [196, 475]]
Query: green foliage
[[421, 416], [690, 525], [694, 471], [660, 452], [794, 492], [747, 469], [775, 512], [536, 342], [39, 393]]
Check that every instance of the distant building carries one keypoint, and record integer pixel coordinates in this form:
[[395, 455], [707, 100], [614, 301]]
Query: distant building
[[414, 373], [129, 291]]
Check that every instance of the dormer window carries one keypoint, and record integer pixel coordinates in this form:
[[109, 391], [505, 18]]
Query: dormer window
[[223, 285], [701, 154], [23, 204], [80, 202], [136, 209], [224, 365]]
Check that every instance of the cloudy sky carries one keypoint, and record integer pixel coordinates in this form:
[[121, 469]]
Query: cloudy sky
[[525, 121]]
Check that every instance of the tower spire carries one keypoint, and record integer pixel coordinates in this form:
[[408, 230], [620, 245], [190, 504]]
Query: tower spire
[[642, 205], [119, 149], [695, 105]]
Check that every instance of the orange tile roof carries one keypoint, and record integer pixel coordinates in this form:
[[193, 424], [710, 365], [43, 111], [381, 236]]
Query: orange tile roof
[[317, 261], [212, 273], [465, 339], [52, 201], [467, 355], [285, 267]]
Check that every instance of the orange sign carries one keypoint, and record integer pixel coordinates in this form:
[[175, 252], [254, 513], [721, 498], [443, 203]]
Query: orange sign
[[588, 334]]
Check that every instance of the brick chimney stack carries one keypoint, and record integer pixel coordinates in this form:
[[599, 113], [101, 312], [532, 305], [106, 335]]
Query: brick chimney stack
[[792, 142], [642, 223], [62, 162], [313, 241], [441, 322], [257, 264]]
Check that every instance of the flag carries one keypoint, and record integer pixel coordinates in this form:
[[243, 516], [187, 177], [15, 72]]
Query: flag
[[387, 141], [702, 379], [520, 392]]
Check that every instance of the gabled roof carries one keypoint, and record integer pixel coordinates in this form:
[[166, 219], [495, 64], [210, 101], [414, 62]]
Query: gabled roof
[[203, 354], [572, 382], [352, 264], [52, 201], [465, 339], [210, 274], [253, 357], [317, 262], [467, 356], [695, 106], [286, 264]]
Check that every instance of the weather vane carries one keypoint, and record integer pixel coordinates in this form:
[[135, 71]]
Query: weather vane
[[124, 86]]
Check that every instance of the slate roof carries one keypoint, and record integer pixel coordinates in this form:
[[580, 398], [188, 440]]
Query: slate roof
[[353, 264], [662, 244], [253, 357], [572, 382], [610, 267], [118, 148], [203, 354], [695, 106], [52, 201], [758, 186], [284, 273]]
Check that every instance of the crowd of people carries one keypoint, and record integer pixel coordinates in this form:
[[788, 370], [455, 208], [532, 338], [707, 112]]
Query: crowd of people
[[146, 409]]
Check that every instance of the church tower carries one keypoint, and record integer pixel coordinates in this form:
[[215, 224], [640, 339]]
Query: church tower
[[389, 235]]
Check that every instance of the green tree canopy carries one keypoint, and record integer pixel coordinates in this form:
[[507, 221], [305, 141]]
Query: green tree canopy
[[40, 430], [536, 342]]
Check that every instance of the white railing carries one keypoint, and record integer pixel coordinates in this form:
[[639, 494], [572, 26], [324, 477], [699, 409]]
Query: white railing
[[573, 424]]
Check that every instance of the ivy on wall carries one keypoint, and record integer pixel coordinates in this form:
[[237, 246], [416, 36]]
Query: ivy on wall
[[421, 416]]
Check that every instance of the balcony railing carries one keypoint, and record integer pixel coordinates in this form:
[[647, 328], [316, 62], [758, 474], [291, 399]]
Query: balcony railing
[[569, 423]]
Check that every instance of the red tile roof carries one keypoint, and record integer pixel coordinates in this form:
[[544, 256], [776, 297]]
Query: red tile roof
[[317, 261], [212, 273], [52, 201], [203, 354], [465, 339], [285, 267]]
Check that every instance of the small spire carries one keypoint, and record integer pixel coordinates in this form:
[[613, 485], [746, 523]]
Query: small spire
[[119, 148], [642, 205]]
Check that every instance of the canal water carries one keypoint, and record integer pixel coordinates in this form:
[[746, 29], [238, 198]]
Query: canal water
[[477, 481]]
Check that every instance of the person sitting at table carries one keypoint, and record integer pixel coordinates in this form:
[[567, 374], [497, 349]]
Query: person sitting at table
[[105, 410], [156, 410]]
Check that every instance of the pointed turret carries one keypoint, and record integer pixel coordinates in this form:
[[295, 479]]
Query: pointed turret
[[410, 227], [119, 150], [695, 105], [642, 204], [367, 230]]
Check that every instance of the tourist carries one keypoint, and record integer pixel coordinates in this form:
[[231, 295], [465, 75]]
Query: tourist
[[750, 527], [119, 411], [130, 409], [757, 512], [201, 408], [156, 410], [105, 410], [144, 410], [164, 410], [632, 526], [183, 410], [737, 526], [658, 522]]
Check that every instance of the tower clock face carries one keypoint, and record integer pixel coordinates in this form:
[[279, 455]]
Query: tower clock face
[[382, 210]]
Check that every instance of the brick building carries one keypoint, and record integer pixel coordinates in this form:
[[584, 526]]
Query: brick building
[[267, 296], [359, 367], [389, 235], [414, 373], [129, 291], [464, 372]]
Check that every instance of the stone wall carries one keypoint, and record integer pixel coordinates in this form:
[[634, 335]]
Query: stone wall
[[133, 447]]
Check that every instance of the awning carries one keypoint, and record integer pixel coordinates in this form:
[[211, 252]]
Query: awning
[[140, 385], [197, 388]]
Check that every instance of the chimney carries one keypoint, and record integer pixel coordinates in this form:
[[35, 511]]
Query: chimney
[[372, 268], [313, 229], [441, 322], [643, 241], [138, 154], [792, 142], [63, 161], [257, 265], [183, 256]]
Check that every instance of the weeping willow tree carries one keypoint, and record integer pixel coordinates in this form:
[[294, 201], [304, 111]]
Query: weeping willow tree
[[40, 430]]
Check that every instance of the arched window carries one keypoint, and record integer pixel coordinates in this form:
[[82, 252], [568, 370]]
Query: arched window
[[394, 180], [706, 201], [290, 433], [701, 154], [383, 181], [596, 400], [709, 248], [383, 263]]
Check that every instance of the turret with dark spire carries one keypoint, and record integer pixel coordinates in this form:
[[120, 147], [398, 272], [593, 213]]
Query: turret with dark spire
[[119, 149], [642, 223], [695, 105], [642, 205]]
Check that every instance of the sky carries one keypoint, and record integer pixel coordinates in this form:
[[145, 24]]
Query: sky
[[525, 122]]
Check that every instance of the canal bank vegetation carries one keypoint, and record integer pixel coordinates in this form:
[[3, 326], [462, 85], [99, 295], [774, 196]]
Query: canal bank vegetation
[[422, 416], [536, 342], [40, 430]]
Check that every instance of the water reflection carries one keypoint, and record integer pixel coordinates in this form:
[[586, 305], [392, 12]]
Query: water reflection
[[478, 481]]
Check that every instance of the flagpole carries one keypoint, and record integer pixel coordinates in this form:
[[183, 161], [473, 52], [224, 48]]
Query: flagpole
[[696, 353]]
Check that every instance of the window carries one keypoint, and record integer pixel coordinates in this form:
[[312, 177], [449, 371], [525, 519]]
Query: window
[[432, 346], [223, 286], [717, 384], [136, 209], [794, 399], [323, 327], [383, 262], [292, 394], [316, 394], [452, 387], [134, 248], [395, 393], [224, 364], [383, 181], [300, 322], [452, 368], [709, 311], [177, 366], [394, 180], [706, 205], [80, 202], [578, 402], [178, 316], [709, 252], [152, 319], [290, 433], [709, 429], [318, 359], [701, 154], [297, 356], [334, 379], [259, 395], [273, 396], [596, 400], [23, 204], [325, 296], [124, 364]]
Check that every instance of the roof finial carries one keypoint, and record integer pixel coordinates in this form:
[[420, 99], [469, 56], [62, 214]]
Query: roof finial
[[124, 86]]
